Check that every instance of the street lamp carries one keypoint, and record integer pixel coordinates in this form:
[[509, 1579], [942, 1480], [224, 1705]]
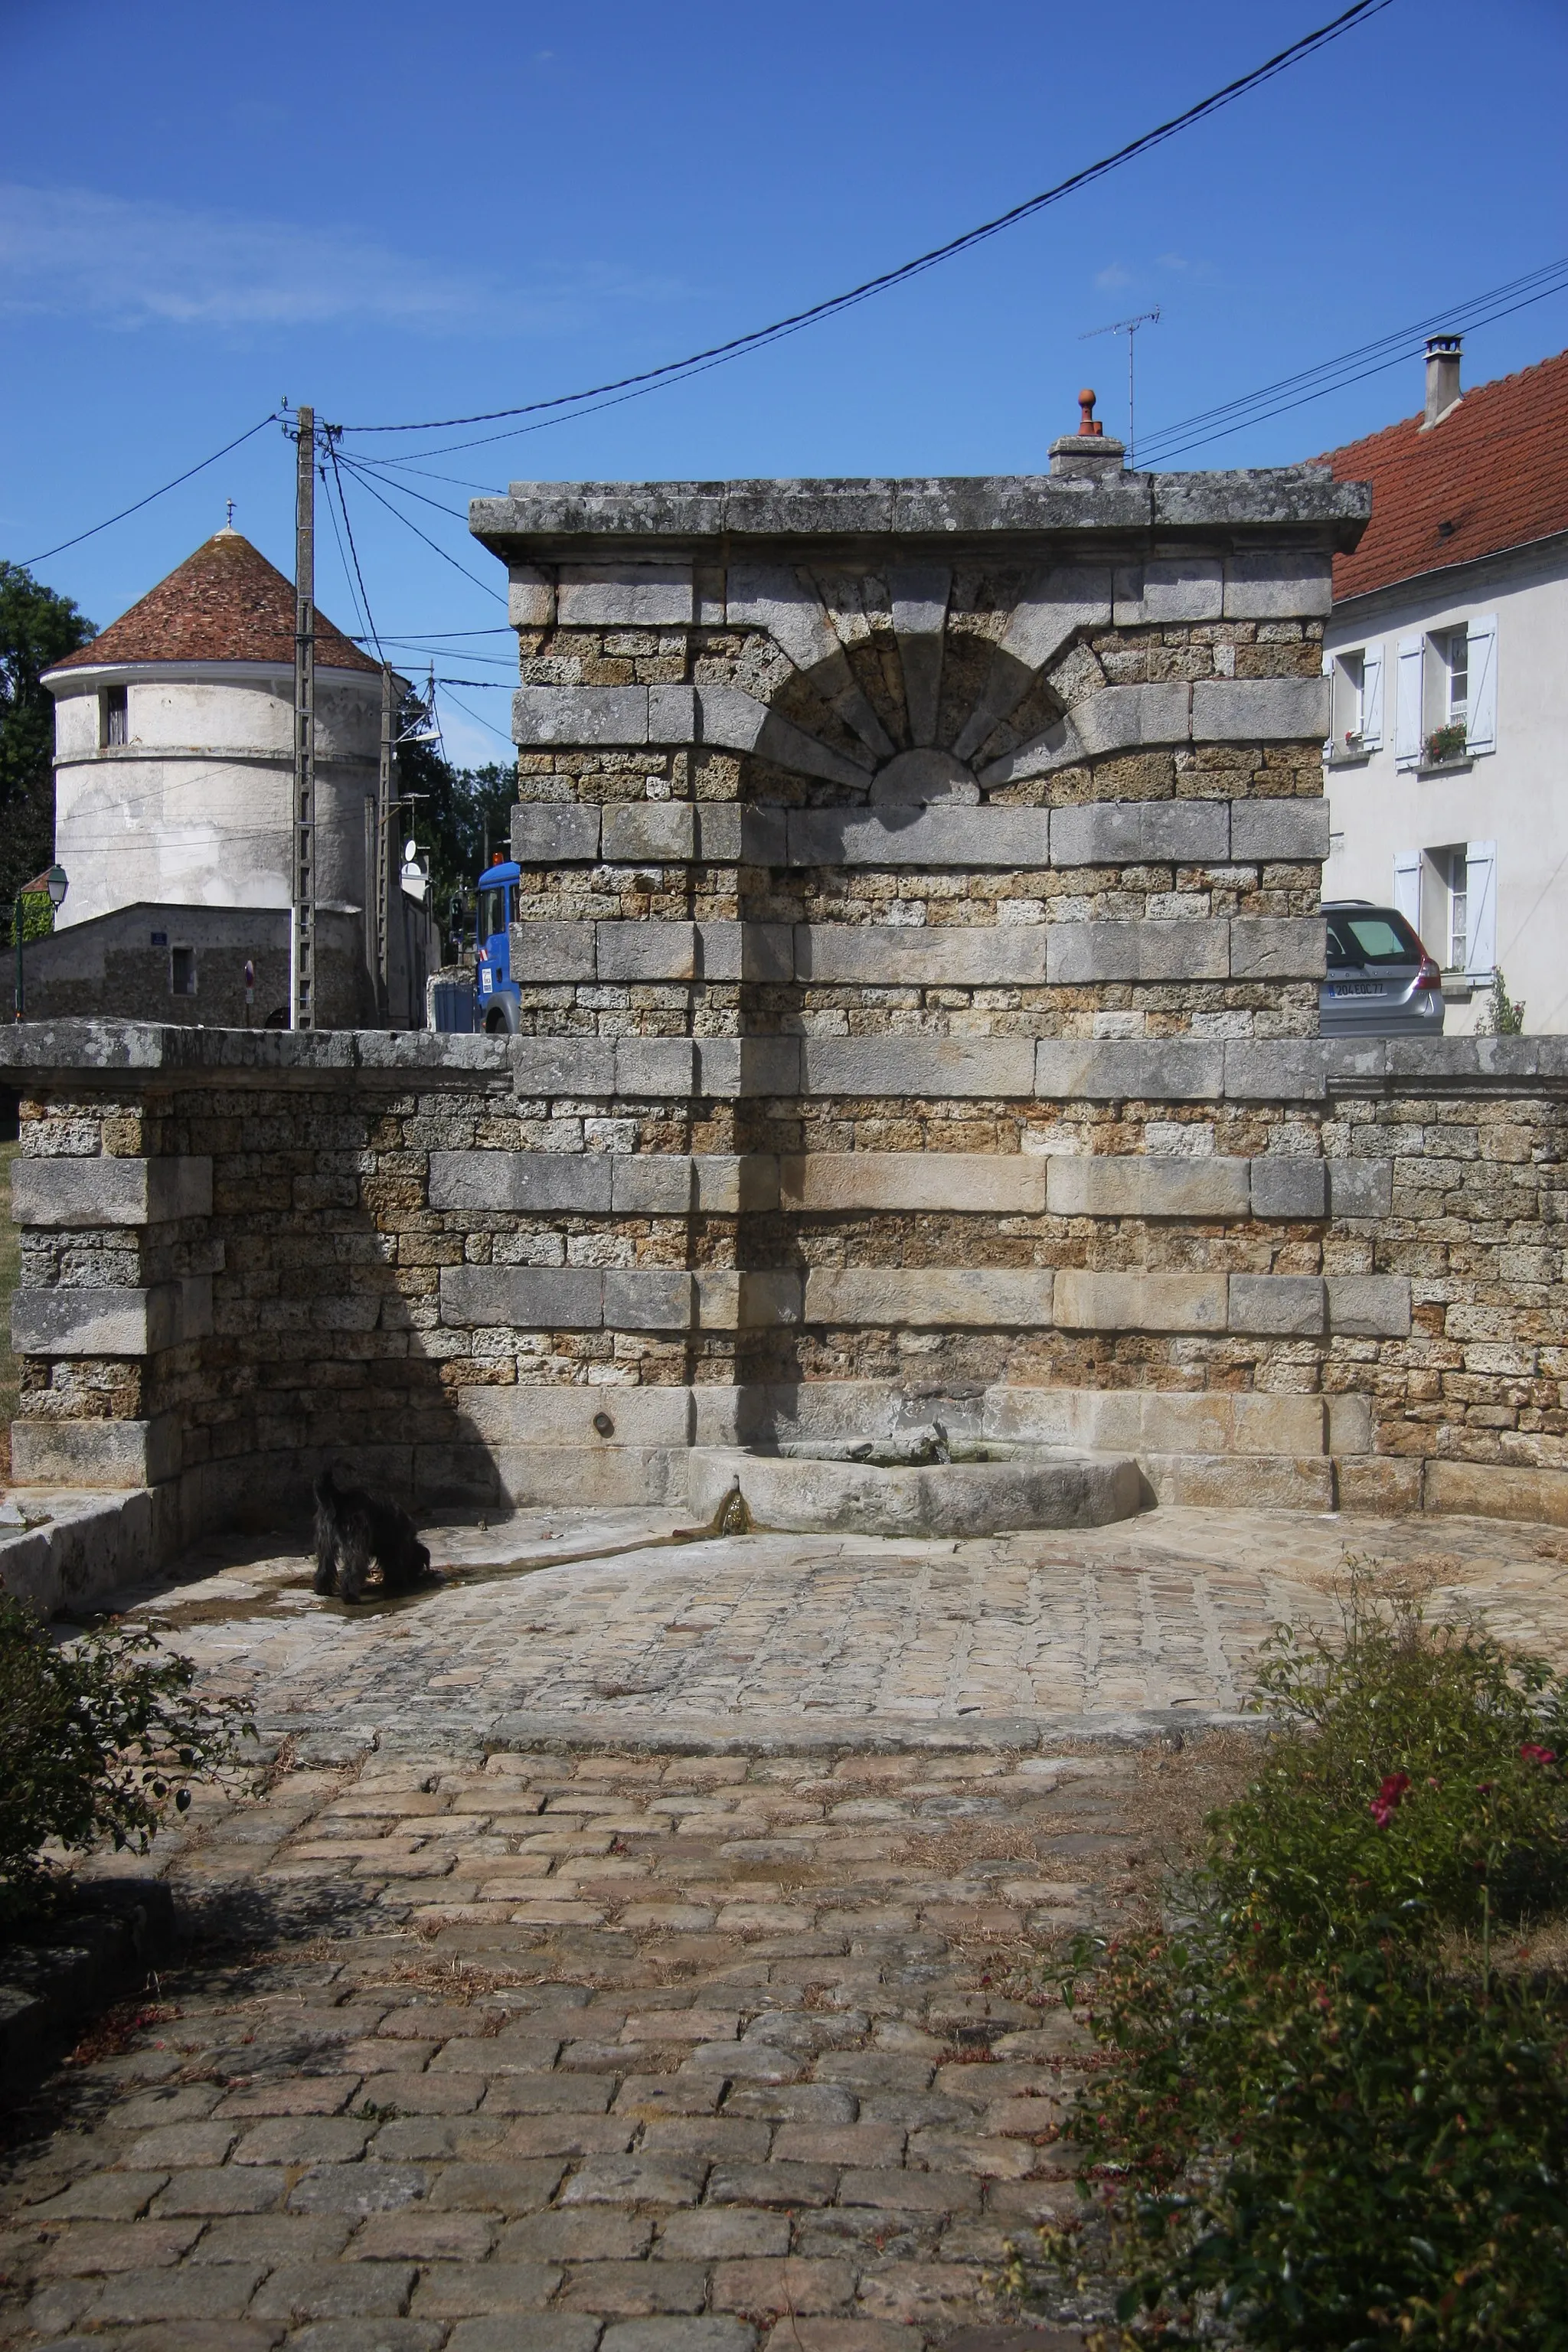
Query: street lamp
[[54, 884]]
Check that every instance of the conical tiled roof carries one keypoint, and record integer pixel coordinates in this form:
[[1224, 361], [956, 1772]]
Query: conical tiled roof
[[225, 602]]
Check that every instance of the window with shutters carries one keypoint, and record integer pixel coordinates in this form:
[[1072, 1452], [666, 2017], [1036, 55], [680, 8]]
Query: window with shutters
[[1446, 697], [1355, 701], [113, 716]]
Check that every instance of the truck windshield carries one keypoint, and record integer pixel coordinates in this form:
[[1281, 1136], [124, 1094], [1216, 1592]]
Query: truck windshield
[[492, 913]]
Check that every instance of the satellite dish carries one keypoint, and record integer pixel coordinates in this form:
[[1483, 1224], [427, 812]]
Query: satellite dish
[[410, 852]]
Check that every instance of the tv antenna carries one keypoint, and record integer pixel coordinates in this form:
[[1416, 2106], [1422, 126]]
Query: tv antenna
[[1128, 327]]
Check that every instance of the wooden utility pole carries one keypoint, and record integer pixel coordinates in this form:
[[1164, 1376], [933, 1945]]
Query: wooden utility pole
[[386, 795], [302, 959]]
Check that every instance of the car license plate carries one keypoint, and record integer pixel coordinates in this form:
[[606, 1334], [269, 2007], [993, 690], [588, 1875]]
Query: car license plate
[[1359, 988]]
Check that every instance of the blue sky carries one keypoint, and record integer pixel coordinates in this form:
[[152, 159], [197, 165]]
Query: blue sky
[[401, 213]]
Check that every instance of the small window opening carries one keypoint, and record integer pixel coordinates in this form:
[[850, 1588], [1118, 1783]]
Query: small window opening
[[116, 715], [181, 971]]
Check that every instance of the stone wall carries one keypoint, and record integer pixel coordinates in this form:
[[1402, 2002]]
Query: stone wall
[[919, 996], [1320, 1274]]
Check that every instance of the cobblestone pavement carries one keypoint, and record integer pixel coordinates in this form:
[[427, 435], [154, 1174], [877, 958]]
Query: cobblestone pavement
[[769, 1637], [729, 2036]]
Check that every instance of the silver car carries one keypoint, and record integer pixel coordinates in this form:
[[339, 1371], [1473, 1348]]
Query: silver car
[[1381, 982]]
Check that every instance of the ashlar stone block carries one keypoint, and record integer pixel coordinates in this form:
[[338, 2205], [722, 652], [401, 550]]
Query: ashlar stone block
[[1278, 947], [552, 952], [548, 1066], [554, 833], [1129, 717], [1278, 585], [652, 1183], [647, 1298], [1259, 710], [1136, 833], [1140, 1302], [526, 1297], [656, 1065], [614, 594], [936, 838], [1148, 1187], [530, 597], [572, 1416], [923, 1066], [1361, 1188], [922, 955], [639, 951], [109, 1191], [1284, 1186], [1370, 1305], [108, 1454], [1010, 1183], [1263, 832], [1123, 1069], [1286, 1306], [1169, 588], [889, 1296], [576, 717], [526, 1181], [1078, 953], [649, 832]]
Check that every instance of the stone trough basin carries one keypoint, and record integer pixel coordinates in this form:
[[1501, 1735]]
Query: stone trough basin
[[915, 1485]]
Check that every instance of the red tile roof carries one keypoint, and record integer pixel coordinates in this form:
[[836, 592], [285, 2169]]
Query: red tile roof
[[1492, 475], [225, 602]]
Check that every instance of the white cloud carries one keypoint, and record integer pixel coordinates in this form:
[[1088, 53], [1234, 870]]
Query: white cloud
[[1111, 277], [136, 263]]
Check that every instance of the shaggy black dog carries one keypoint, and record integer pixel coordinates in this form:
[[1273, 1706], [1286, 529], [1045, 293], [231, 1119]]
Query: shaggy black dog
[[355, 1531]]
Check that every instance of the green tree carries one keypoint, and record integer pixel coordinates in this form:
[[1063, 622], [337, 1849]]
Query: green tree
[[38, 628], [459, 810]]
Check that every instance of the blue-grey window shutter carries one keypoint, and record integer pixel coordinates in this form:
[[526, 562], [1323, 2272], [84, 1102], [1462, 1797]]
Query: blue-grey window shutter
[[1481, 729]]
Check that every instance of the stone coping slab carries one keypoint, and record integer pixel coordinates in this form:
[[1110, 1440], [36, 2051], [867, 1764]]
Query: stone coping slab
[[105, 1053], [945, 509]]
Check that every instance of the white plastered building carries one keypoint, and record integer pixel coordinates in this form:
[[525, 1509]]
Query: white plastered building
[[1448, 647]]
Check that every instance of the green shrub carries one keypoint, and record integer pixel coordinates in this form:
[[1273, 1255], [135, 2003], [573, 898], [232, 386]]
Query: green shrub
[[97, 1739], [1321, 2117]]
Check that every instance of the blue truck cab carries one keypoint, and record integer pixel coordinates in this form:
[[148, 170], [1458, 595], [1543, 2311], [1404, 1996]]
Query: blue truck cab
[[495, 992]]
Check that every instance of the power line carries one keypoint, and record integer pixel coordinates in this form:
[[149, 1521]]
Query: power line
[[1331, 375], [366, 483], [478, 722], [348, 525], [186, 477], [1280, 63], [362, 634]]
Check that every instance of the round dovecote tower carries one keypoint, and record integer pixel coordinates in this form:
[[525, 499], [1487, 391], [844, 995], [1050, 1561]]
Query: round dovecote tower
[[173, 769]]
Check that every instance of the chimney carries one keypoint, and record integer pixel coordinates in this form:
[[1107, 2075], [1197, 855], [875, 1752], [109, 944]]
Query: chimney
[[1442, 378], [1089, 452]]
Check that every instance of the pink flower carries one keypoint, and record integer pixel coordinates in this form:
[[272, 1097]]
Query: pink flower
[[1389, 1798], [1534, 1754]]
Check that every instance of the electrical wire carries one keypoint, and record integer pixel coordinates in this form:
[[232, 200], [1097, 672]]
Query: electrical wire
[[147, 501], [358, 575], [478, 722], [1358, 14], [1233, 416], [366, 483], [362, 634]]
